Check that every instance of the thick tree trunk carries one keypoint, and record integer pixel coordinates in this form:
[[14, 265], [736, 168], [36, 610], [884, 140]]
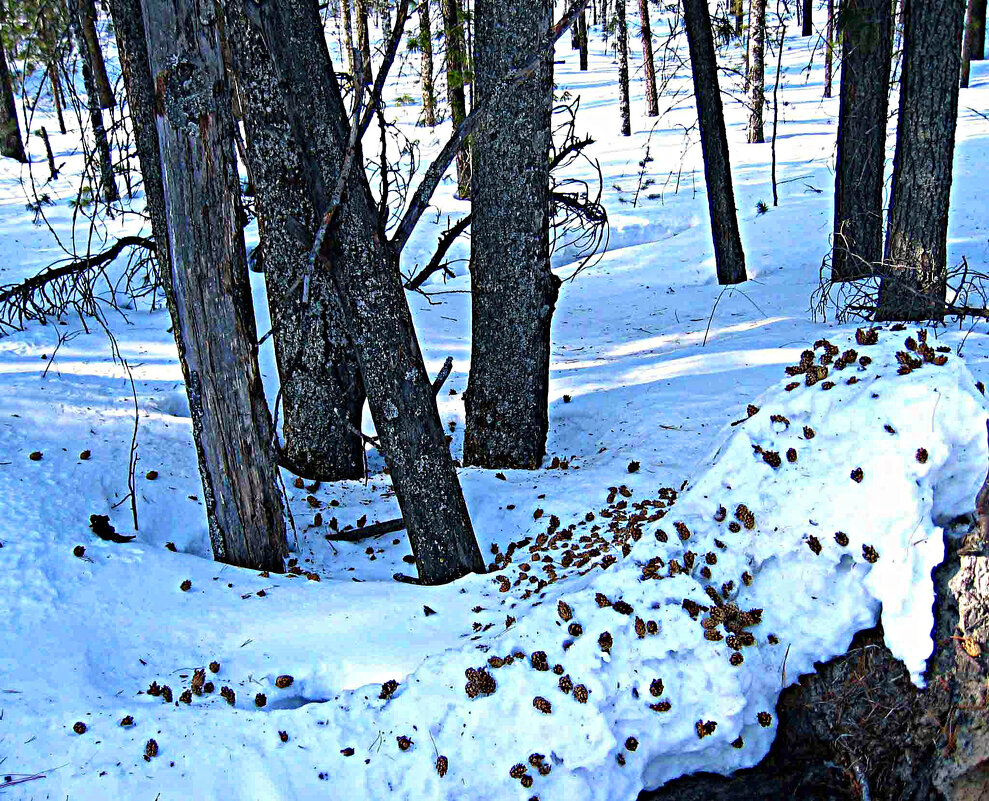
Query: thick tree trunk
[[808, 20], [652, 99], [728, 254], [426, 45], [829, 51], [366, 275], [108, 186], [363, 40], [456, 76], [968, 41], [867, 46], [582, 34], [11, 143], [513, 289], [916, 239], [348, 35], [87, 18], [322, 392], [621, 31], [757, 70], [214, 316]]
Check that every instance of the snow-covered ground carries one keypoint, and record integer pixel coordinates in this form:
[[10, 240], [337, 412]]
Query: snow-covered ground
[[652, 364]]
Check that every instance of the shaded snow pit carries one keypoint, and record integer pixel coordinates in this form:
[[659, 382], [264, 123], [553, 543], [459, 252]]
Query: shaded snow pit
[[292, 702]]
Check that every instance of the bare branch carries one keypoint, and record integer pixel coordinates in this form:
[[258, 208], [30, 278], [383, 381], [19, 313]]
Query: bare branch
[[436, 263], [401, 17]]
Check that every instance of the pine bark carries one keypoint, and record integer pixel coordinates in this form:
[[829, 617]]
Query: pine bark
[[87, 18], [916, 236], [621, 31], [364, 270], [322, 393], [214, 318], [867, 47], [582, 33], [757, 70], [426, 46], [11, 143], [513, 289], [728, 253], [652, 99], [456, 76]]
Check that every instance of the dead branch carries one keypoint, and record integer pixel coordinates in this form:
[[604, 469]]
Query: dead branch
[[367, 532], [436, 263]]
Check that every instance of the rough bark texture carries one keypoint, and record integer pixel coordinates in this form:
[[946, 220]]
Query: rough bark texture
[[11, 144], [867, 36], [322, 393], [621, 31], [363, 39], [652, 99], [456, 75], [916, 272], [108, 186], [426, 45], [87, 17], [513, 289], [214, 316], [728, 252], [757, 69], [829, 51], [365, 273], [808, 20], [582, 35]]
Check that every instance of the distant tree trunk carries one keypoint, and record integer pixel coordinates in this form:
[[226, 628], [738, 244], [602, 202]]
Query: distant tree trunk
[[426, 45], [322, 392], [968, 41], [513, 289], [348, 35], [978, 52], [867, 46], [11, 143], [729, 257], [214, 317], [621, 30], [456, 76], [363, 41], [652, 100], [108, 186], [582, 33], [739, 9], [365, 272], [916, 239], [829, 51], [808, 21], [757, 69], [57, 98], [93, 51]]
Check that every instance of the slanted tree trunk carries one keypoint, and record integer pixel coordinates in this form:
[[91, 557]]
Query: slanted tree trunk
[[11, 143], [365, 272], [456, 77], [513, 289], [93, 51], [916, 237], [582, 34], [214, 316], [652, 99], [757, 70], [829, 51], [808, 20], [426, 45], [621, 31], [867, 47], [363, 41], [968, 41], [728, 253], [108, 186], [348, 35], [322, 392]]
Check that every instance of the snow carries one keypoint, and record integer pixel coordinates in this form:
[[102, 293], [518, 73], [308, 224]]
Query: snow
[[652, 363]]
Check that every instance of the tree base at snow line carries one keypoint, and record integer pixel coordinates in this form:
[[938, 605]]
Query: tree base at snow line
[[858, 719]]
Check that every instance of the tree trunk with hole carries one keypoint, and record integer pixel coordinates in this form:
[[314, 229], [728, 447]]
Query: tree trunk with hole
[[621, 31], [322, 393], [652, 99], [363, 41], [11, 143], [513, 289], [426, 46], [757, 70], [867, 49], [829, 51], [104, 164], [808, 20], [728, 253], [456, 77], [968, 41], [915, 280], [94, 53], [213, 311], [364, 270]]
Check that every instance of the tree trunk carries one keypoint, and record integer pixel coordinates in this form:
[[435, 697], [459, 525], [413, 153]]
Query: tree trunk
[[968, 42], [808, 21], [108, 185], [867, 46], [978, 52], [214, 316], [322, 392], [93, 51], [513, 289], [426, 44], [739, 8], [621, 30], [728, 254], [11, 143], [365, 272], [829, 51], [916, 239], [363, 41], [57, 98], [456, 77], [348, 34], [582, 33], [757, 69], [652, 100]]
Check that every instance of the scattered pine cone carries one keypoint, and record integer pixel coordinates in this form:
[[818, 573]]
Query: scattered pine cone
[[442, 765]]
